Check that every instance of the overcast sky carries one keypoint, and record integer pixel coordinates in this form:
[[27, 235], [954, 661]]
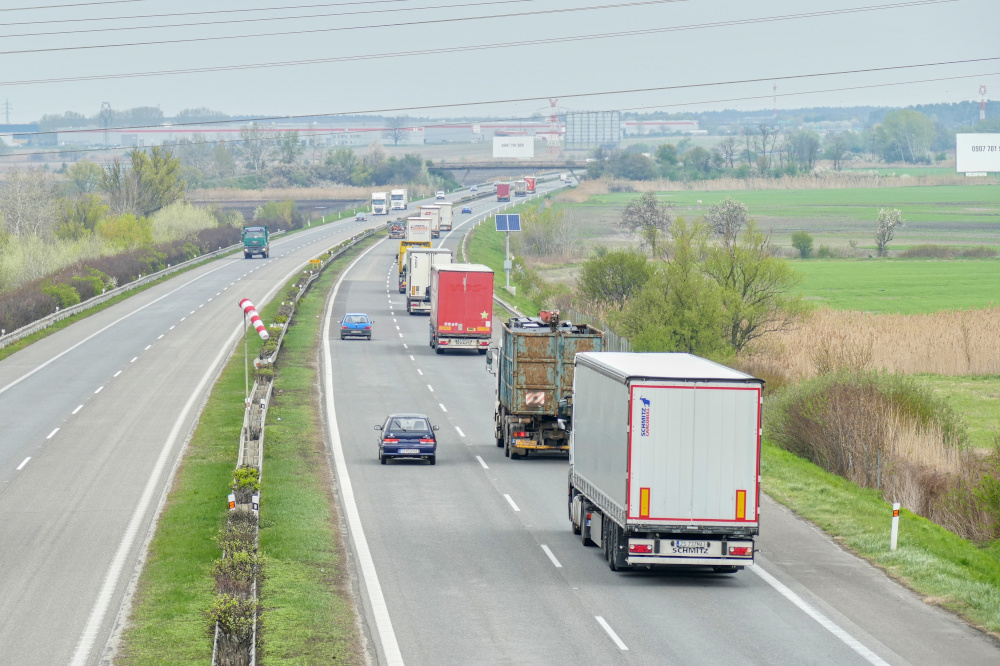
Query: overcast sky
[[909, 34]]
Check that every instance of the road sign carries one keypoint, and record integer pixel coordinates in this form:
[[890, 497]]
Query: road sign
[[510, 222]]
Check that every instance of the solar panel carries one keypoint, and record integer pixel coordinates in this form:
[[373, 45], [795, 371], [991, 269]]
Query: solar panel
[[502, 223], [508, 222]]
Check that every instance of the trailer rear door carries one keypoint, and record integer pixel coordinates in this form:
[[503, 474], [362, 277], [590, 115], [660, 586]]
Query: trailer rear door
[[694, 453]]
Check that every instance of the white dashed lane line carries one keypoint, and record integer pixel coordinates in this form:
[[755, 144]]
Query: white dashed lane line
[[23, 463], [443, 408], [79, 407], [552, 557], [430, 388], [161, 337], [99, 389], [611, 632], [420, 372], [147, 347], [134, 359], [411, 358], [482, 462], [52, 434], [117, 373], [510, 501], [460, 433]]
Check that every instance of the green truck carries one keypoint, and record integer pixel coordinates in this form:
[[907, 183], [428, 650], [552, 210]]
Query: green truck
[[256, 241]]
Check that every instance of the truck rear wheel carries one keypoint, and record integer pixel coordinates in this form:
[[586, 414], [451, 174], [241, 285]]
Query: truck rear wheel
[[616, 557]]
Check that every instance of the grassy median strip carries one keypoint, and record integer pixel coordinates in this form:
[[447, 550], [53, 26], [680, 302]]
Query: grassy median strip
[[941, 567], [308, 615]]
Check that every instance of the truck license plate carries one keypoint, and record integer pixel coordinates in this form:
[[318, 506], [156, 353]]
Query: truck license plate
[[409, 450], [691, 544]]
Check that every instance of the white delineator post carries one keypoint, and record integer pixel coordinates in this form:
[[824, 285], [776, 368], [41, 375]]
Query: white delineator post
[[895, 526]]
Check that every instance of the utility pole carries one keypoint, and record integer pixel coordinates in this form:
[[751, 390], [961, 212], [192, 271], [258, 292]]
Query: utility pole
[[106, 118], [6, 110]]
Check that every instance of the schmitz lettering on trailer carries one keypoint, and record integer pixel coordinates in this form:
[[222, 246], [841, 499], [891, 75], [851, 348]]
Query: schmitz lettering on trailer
[[645, 426]]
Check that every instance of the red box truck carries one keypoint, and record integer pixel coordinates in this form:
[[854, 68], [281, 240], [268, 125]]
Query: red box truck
[[461, 307], [503, 191]]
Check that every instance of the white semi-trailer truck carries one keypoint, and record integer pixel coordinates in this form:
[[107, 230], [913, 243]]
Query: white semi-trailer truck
[[665, 460], [398, 199], [419, 261]]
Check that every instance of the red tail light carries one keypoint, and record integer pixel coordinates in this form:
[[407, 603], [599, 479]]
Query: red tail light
[[442, 343], [520, 434], [367, 326], [344, 327], [640, 548], [427, 441], [741, 551], [390, 441], [484, 343]]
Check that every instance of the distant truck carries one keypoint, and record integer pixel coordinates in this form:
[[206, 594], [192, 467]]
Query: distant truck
[[534, 371], [520, 188], [397, 229], [256, 241], [418, 228], [447, 211], [398, 200], [380, 203], [419, 261], [564, 177], [433, 216], [665, 460], [503, 191], [404, 247], [529, 183], [461, 307]]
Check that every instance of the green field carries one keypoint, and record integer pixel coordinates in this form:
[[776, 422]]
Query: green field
[[965, 215], [901, 286], [976, 398]]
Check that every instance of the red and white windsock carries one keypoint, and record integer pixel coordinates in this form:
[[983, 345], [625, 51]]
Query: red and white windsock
[[250, 311]]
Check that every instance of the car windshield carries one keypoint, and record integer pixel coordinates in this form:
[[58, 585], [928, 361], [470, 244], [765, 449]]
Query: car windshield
[[355, 319], [408, 424]]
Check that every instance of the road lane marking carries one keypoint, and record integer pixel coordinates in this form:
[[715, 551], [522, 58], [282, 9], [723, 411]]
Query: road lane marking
[[380, 611], [405, 346], [552, 557], [443, 408], [172, 327], [482, 462], [460, 433], [52, 434], [116, 374], [79, 407], [411, 358], [611, 632], [400, 335], [23, 463], [397, 328], [183, 318], [161, 337], [826, 622], [511, 502], [430, 388], [147, 347], [99, 389], [134, 359], [420, 372]]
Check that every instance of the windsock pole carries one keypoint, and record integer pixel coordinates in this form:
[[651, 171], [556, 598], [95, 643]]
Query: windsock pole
[[250, 311]]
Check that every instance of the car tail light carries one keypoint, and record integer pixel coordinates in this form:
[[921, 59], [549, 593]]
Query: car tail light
[[426, 441], [741, 551], [390, 441], [344, 326], [484, 343], [368, 326], [520, 434], [640, 548], [442, 343]]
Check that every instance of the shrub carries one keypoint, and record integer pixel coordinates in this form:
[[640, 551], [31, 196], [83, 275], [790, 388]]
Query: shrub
[[63, 294], [981, 252], [803, 242], [825, 252], [91, 284], [927, 252], [246, 483]]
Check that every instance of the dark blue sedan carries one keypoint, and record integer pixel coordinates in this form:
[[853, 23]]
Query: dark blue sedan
[[407, 436], [466, 209]]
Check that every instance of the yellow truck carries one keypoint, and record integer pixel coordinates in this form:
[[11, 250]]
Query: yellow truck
[[401, 259]]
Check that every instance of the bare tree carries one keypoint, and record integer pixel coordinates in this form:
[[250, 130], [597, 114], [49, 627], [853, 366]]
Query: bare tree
[[765, 140], [374, 157], [838, 148], [647, 216], [885, 227], [26, 202], [395, 129], [728, 149], [255, 145], [727, 219]]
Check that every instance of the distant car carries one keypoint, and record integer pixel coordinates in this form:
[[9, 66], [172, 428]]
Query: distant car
[[466, 209], [361, 217], [440, 195], [407, 436], [473, 189], [356, 325]]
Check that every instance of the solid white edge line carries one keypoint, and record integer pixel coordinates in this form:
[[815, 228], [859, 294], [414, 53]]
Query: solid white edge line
[[98, 332], [459, 430], [482, 462], [510, 500], [552, 557], [380, 611], [826, 622], [611, 632], [52, 434], [23, 463]]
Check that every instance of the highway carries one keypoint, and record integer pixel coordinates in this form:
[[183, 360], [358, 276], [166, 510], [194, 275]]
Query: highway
[[94, 419], [473, 560]]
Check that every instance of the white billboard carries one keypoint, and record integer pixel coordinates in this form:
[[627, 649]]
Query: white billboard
[[977, 152], [519, 147]]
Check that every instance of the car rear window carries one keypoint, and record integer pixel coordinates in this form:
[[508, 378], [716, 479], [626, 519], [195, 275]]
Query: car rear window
[[399, 424], [356, 319]]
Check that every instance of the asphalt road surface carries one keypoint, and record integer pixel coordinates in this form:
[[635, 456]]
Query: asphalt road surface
[[473, 560]]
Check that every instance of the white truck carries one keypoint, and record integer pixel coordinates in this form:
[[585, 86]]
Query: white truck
[[418, 229], [419, 262], [398, 199], [446, 210], [380, 203], [665, 460], [433, 215]]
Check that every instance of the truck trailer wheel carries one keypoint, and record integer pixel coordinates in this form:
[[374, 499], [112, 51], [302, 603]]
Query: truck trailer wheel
[[617, 557]]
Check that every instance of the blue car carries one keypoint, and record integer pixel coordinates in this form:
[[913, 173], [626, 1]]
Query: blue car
[[407, 436], [466, 209], [356, 325]]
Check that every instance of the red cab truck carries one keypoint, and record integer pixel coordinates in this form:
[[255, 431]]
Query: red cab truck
[[461, 307], [503, 191]]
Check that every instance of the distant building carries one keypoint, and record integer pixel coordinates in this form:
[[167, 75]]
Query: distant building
[[640, 127]]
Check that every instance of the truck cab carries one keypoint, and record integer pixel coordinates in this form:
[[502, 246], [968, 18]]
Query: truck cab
[[255, 241]]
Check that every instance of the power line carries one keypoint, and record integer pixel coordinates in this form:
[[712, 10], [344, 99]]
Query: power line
[[230, 21], [785, 17], [79, 4], [427, 107], [209, 11]]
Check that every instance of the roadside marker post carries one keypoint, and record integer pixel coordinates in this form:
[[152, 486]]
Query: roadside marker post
[[895, 526], [232, 501]]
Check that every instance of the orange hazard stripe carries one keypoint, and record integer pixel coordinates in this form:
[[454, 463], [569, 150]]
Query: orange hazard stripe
[[741, 505], [644, 502]]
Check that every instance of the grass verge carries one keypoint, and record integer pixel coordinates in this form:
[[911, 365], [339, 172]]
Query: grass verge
[[308, 617], [941, 567], [488, 247]]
